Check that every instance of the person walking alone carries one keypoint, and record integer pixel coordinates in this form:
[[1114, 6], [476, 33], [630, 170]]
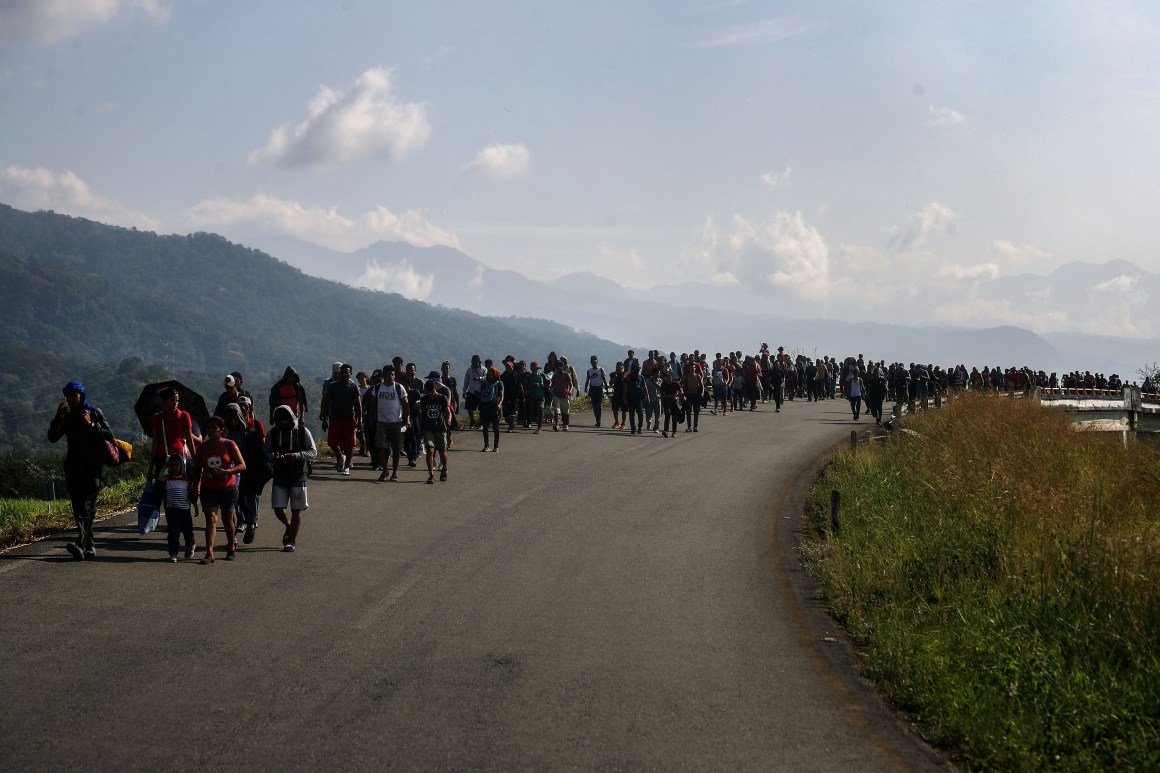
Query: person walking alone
[[83, 426]]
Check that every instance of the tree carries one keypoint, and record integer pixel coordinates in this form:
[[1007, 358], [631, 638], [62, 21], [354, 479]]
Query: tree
[[1150, 372]]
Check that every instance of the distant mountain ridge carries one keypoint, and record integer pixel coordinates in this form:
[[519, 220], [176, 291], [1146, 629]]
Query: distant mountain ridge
[[690, 315]]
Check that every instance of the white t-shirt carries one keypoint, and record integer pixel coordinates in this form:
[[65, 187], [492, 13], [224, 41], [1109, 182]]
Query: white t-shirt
[[390, 405], [595, 377], [473, 380]]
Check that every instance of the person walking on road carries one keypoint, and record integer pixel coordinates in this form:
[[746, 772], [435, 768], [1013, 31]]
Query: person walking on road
[[289, 447], [434, 417], [855, 389], [594, 382], [341, 412], [473, 381], [219, 460], [491, 397], [391, 411], [83, 426]]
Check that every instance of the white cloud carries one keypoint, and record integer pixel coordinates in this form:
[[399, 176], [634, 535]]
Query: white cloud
[[401, 278], [988, 270], [365, 122], [1116, 284], [774, 179], [1018, 252], [500, 161], [322, 226], [765, 31], [934, 216], [945, 116], [39, 188], [48, 20], [784, 252]]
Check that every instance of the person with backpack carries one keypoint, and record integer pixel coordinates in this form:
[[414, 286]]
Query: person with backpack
[[391, 413], [563, 384], [289, 392], [721, 383], [594, 381], [289, 447], [84, 427], [434, 417], [490, 400]]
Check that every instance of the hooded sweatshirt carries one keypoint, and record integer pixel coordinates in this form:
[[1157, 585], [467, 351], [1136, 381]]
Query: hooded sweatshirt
[[289, 391], [297, 441]]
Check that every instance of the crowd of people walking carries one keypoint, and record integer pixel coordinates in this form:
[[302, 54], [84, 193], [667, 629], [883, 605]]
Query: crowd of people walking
[[393, 417]]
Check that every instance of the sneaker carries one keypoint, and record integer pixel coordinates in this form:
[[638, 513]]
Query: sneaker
[[431, 479], [383, 475], [250, 531], [394, 478], [555, 428], [536, 432], [687, 429], [665, 433], [346, 471], [286, 537], [565, 428], [486, 448], [288, 547], [495, 450], [443, 475], [75, 551], [412, 463], [208, 559], [173, 558], [231, 552], [91, 553], [597, 425], [694, 429], [190, 551], [655, 431]]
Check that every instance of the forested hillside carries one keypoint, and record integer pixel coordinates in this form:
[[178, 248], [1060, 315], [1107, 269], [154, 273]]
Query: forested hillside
[[79, 296]]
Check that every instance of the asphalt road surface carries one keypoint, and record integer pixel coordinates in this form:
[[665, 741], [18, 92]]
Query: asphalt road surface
[[584, 600]]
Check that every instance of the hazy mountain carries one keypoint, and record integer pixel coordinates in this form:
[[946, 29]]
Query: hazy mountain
[[1112, 296]]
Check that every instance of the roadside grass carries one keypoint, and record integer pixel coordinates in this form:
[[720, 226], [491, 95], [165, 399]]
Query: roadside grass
[[999, 574], [23, 520]]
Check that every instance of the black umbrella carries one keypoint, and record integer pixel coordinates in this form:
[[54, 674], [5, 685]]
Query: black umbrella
[[150, 402]]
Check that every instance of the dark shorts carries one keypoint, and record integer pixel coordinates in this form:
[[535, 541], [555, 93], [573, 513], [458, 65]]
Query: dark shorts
[[223, 499], [471, 401]]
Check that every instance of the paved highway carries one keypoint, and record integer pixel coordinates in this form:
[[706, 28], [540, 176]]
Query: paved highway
[[588, 600]]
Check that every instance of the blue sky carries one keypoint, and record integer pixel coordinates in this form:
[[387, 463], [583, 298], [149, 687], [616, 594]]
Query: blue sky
[[832, 150]]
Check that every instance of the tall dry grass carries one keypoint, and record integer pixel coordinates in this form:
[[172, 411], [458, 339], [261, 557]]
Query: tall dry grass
[[1000, 570]]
